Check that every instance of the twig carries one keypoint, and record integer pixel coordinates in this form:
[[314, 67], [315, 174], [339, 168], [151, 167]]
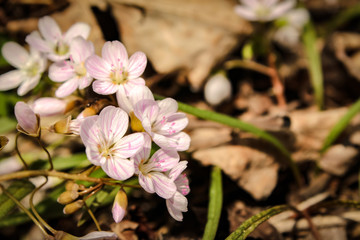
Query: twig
[[18, 152]]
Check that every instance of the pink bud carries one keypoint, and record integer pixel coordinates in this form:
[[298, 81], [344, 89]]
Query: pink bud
[[120, 205], [28, 122], [48, 106]]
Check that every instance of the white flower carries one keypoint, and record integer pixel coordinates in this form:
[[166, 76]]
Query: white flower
[[29, 68], [217, 89], [263, 10], [52, 41]]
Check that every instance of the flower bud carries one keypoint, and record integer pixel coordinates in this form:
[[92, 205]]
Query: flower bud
[[28, 121], [67, 197], [62, 126], [120, 205], [71, 186], [48, 106], [73, 207], [217, 89]]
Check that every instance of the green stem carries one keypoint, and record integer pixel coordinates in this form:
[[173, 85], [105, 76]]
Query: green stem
[[47, 152], [18, 152], [92, 217], [37, 223]]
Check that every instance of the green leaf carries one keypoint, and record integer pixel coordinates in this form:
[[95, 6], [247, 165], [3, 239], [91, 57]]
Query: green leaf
[[236, 123], [215, 204], [341, 125], [315, 69], [343, 17], [19, 189], [7, 124], [251, 224]]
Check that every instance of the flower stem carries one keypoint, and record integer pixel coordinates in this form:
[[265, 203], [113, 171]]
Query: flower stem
[[18, 152], [47, 152], [93, 217]]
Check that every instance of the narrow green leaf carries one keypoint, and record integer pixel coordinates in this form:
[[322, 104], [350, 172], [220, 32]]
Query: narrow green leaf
[[343, 17], [19, 189], [251, 224], [215, 204], [341, 125], [7, 124], [313, 55], [236, 123]]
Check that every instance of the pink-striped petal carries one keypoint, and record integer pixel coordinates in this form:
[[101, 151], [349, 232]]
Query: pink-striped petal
[[182, 184], [85, 81], [176, 205], [61, 71], [48, 106], [114, 123], [129, 145], [177, 170], [115, 54], [146, 109], [26, 118], [180, 141], [35, 40], [98, 68], [146, 183], [139, 93], [104, 87], [11, 80], [67, 88], [80, 49], [78, 29], [171, 125], [167, 106], [144, 153], [137, 64], [49, 29], [132, 83], [164, 186], [118, 212], [89, 132], [165, 160], [118, 168], [15, 54]]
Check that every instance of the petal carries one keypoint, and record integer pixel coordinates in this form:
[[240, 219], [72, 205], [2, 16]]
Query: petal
[[115, 54], [176, 206], [89, 132], [176, 214], [98, 68], [171, 125], [164, 186], [146, 109], [146, 183], [28, 85], [26, 118], [104, 87], [167, 106], [35, 40], [249, 3], [132, 83], [85, 81], [15, 54], [177, 170], [144, 153], [61, 71], [48, 106], [139, 93], [123, 101], [11, 80], [129, 145], [93, 154], [180, 141], [182, 184], [99, 236], [118, 168], [246, 13], [80, 49], [49, 29], [281, 8], [114, 122], [78, 29], [165, 159], [137, 64], [67, 88]]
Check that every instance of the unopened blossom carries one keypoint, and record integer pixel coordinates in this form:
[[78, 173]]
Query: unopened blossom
[[106, 146], [114, 71], [163, 123], [73, 72], [49, 106], [30, 67], [98, 235], [28, 121], [217, 89], [263, 10], [152, 170], [54, 43], [177, 204], [119, 206]]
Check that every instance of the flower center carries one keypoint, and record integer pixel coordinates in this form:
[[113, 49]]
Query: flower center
[[118, 76], [262, 11], [80, 69], [61, 48], [135, 123], [32, 70]]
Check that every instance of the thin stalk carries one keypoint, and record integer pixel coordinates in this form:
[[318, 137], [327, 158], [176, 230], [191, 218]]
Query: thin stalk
[[33, 209], [18, 152], [47, 152], [30, 215], [92, 217]]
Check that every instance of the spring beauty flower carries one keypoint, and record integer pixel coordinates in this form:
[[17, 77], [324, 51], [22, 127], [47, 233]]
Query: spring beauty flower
[[263, 10], [177, 204], [73, 72], [28, 121], [52, 41], [30, 67], [49, 106], [114, 70], [151, 170], [163, 123], [119, 206], [106, 146]]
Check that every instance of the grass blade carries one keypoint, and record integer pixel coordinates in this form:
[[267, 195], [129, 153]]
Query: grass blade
[[313, 55], [215, 204], [251, 224], [341, 125]]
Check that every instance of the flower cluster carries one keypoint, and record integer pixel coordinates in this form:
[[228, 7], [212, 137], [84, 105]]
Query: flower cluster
[[119, 136]]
